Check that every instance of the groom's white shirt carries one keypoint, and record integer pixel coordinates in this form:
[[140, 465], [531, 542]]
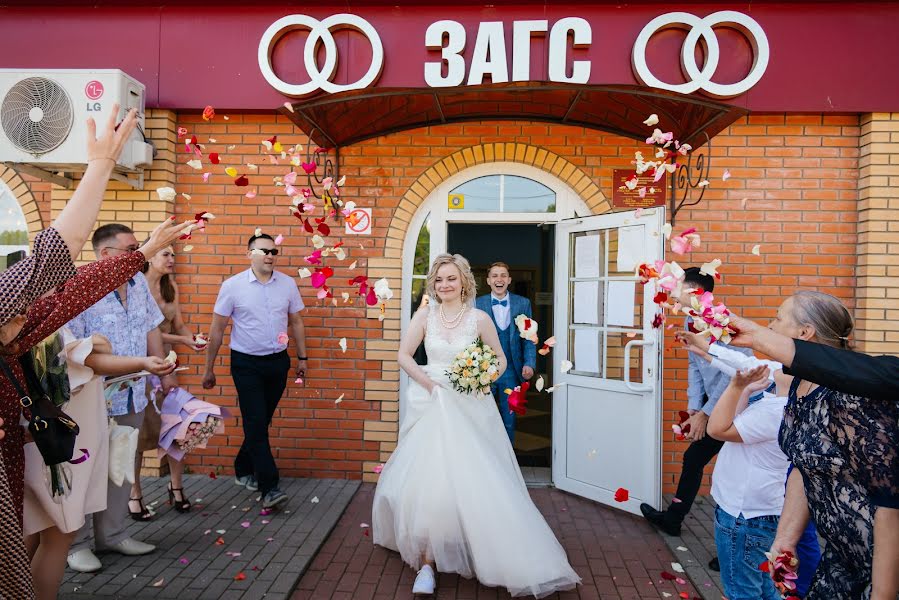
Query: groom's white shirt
[[501, 313]]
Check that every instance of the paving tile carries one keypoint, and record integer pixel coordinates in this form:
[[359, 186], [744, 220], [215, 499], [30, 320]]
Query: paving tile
[[616, 554], [297, 534]]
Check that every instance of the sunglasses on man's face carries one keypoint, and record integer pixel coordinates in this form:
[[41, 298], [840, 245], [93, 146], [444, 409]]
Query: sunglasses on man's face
[[267, 251]]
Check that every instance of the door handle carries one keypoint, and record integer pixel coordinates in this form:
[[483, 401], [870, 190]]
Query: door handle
[[627, 362]]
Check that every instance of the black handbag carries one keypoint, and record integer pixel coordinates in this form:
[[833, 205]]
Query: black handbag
[[52, 430]]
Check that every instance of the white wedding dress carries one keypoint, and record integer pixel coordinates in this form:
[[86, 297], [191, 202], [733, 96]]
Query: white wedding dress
[[452, 490]]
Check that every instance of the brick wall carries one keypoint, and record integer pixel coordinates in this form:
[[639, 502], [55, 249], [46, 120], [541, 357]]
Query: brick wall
[[798, 174]]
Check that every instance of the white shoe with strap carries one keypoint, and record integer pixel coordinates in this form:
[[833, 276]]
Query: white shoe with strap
[[425, 582]]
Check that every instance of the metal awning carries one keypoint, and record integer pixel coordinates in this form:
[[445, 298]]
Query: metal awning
[[346, 118]]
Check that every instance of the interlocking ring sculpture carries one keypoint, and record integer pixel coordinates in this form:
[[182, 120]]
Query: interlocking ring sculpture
[[703, 29], [320, 31]]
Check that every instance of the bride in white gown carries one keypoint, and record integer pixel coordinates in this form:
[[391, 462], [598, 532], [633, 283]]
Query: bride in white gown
[[452, 496]]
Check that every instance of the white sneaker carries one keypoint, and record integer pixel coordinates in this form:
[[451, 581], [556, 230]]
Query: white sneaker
[[131, 547], [425, 582], [84, 561]]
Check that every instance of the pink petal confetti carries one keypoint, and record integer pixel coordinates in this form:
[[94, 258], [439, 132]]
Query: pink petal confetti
[[183, 561], [726, 175], [279, 239], [245, 524], [290, 178], [283, 338], [265, 512], [251, 194], [206, 177], [265, 521], [364, 525], [378, 468], [270, 539], [298, 381]]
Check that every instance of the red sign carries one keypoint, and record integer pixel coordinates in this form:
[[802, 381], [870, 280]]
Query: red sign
[[93, 90], [630, 190], [149, 40]]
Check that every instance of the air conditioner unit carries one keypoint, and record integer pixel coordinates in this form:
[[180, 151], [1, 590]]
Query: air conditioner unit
[[44, 112]]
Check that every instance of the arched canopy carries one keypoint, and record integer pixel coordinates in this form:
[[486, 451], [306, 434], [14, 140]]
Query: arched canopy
[[346, 118]]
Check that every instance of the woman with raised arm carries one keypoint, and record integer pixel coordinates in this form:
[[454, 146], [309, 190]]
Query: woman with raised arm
[[840, 429]]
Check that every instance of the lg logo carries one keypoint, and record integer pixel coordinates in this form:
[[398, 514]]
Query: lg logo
[[702, 30]]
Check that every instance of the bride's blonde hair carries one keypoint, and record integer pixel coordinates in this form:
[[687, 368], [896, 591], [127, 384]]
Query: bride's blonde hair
[[469, 286]]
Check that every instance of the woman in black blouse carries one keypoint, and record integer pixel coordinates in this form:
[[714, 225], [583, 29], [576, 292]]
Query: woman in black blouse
[[841, 430]]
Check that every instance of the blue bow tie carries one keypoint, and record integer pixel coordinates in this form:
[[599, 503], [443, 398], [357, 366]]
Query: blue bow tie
[[500, 302]]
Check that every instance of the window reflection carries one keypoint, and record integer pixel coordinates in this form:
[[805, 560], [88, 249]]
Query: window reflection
[[505, 193], [13, 228]]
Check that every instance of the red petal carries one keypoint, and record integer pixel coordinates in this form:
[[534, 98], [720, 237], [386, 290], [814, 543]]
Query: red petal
[[324, 229], [240, 576], [668, 576], [660, 298], [370, 298], [214, 158], [307, 225], [212, 475], [621, 495], [273, 139], [764, 566], [242, 181]]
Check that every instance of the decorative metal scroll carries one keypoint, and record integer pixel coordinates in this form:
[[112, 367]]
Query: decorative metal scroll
[[325, 168], [687, 187]]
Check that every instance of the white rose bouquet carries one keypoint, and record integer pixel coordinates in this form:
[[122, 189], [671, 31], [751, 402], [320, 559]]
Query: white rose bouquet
[[474, 369]]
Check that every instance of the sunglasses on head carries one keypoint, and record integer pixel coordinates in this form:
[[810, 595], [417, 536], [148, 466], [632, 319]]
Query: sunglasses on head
[[271, 251]]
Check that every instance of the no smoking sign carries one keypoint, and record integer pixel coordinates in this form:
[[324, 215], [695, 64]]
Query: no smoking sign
[[358, 222]]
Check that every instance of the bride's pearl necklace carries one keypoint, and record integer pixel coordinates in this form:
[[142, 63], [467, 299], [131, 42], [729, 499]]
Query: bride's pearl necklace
[[454, 322]]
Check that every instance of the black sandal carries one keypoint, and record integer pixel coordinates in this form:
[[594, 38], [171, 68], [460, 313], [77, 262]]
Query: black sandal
[[183, 505], [143, 514]]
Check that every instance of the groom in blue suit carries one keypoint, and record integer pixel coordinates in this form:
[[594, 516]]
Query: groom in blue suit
[[521, 354]]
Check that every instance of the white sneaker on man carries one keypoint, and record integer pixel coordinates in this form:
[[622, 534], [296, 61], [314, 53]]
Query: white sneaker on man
[[425, 582], [131, 547], [84, 561]]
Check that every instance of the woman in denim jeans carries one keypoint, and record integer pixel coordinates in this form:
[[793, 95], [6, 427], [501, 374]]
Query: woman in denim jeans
[[747, 482]]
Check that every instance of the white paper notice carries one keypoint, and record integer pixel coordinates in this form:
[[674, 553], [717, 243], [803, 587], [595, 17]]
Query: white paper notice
[[630, 248], [586, 256], [586, 302], [586, 350], [621, 303]]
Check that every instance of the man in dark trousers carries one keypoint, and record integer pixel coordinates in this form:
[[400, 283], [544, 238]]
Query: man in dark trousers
[[705, 384], [264, 305]]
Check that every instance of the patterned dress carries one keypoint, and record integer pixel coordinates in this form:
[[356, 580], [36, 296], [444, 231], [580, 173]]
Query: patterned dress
[[49, 265], [845, 448], [91, 283]]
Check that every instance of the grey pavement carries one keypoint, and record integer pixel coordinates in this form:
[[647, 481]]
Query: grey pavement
[[695, 547], [256, 556]]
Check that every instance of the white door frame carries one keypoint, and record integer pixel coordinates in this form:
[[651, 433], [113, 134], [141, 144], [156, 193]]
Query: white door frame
[[642, 403], [568, 205]]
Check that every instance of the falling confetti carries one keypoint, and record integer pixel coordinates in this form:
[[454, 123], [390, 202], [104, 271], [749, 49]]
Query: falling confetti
[[566, 366], [339, 399], [539, 384], [757, 250], [621, 495], [159, 583], [677, 568], [342, 344], [378, 468], [652, 120], [166, 194], [314, 500]]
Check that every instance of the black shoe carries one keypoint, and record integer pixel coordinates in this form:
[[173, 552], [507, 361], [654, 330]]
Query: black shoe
[[657, 518], [713, 564]]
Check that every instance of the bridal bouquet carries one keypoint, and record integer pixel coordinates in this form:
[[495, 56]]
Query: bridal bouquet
[[474, 369]]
